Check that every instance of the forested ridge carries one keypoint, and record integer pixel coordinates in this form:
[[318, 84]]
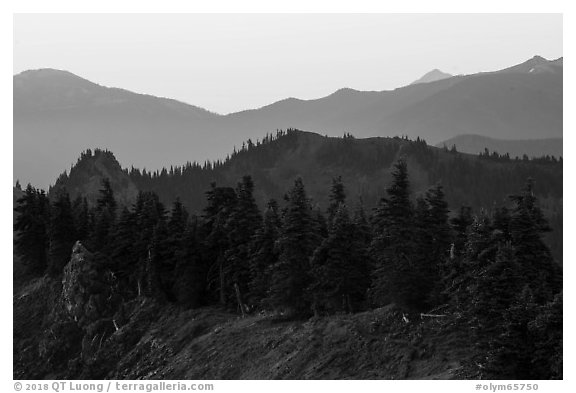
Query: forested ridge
[[482, 181], [485, 272]]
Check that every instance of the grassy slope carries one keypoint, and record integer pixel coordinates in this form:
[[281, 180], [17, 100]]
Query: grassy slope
[[167, 342], [210, 344]]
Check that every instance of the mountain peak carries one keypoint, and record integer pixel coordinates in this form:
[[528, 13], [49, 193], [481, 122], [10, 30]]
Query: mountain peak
[[40, 72], [432, 76], [85, 177], [49, 76], [536, 64]]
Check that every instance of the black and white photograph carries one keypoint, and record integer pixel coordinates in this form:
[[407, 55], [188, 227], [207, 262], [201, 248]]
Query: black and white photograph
[[280, 196]]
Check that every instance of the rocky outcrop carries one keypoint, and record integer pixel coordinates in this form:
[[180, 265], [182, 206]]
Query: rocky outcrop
[[65, 330], [88, 298], [86, 287]]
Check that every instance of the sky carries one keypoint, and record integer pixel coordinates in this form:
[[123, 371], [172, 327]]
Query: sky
[[231, 62]]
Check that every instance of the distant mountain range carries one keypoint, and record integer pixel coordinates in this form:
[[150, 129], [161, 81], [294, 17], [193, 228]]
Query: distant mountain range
[[475, 144], [58, 114]]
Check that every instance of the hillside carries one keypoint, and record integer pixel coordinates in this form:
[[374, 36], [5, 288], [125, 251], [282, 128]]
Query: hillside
[[230, 292], [475, 144], [18, 270], [159, 341], [364, 165], [85, 178], [69, 114], [87, 322], [503, 105]]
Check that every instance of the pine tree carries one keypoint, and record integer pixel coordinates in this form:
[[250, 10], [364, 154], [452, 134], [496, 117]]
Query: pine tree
[[190, 272], [148, 212], [160, 267], [264, 254], [509, 350], [395, 277], [105, 216], [362, 224], [221, 204], [462, 272], [527, 223], [175, 228], [339, 272], [507, 287], [62, 233], [178, 218], [440, 228], [298, 239], [545, 334], [460, 225], [337, 197], [501, 223], [440, 240], [425, 263], [81, 213], [123, 254], [321, 223], [243, 222], [31, 227], [495, 287]]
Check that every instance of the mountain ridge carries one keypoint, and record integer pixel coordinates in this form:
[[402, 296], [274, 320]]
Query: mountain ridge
[[153, 132], [533, 148], [363, 164], [431, 76]]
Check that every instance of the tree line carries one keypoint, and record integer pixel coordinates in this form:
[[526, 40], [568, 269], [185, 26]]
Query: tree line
[[297, 260]]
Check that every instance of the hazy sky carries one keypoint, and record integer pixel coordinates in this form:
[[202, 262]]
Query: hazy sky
[[226, 63]]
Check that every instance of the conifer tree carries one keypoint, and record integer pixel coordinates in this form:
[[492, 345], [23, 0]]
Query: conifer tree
[[394, 277], [527, 223], [495, 287], [81, 213], [221, 204], [479, 251], [337, 197], [508, 284], [363, 228], [509, 349], [105, 216], [320, 222], [62, 233], [160, 267], [243, 222], [339, 272], [190, 271], [178, 218], [298, 239], [439, 243], [425, 263], [264, 254], [460, 225], [148, 212], [501, 222], [31, 227], [173, 237], [440, 228], [124, 254], [545, 334]]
